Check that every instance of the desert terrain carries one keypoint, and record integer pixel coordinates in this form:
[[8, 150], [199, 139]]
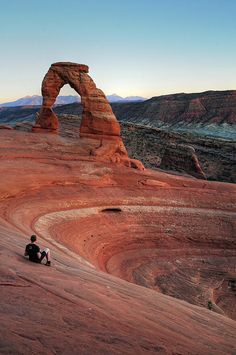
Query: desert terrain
[[137, 255], [143, 261]]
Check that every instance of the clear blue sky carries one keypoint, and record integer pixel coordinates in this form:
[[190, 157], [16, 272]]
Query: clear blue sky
[[133, 47]]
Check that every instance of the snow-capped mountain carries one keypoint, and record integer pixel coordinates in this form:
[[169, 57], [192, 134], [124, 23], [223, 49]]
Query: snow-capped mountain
[[36, 100]]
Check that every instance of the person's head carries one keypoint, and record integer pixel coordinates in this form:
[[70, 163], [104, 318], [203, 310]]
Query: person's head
[[33, 238]]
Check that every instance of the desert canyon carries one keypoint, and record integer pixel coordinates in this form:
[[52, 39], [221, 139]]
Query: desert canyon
[[143, 261]]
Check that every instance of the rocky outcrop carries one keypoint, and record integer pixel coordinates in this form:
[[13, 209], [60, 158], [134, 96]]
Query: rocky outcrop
[[217, 157], [98, 120], [98, 117], [182, 158]]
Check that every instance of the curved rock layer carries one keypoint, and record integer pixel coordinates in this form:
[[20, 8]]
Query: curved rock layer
[[144, 245], [166, 235]]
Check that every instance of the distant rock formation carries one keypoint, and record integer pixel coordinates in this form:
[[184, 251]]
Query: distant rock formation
[[182, 158], [217, 157], [208, 113], [98, 119]]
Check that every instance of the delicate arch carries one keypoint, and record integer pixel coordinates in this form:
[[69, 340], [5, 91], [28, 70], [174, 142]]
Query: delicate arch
[[98, 120], [97, 115]]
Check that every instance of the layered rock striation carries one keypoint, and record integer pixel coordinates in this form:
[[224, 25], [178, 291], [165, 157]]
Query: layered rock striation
[[128, 248], [211, 113], [216, 157]]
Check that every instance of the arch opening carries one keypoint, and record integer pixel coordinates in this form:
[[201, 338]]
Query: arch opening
[[67, 95]]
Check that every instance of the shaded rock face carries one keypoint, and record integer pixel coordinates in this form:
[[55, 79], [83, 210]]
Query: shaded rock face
[[217, 157], [208, 113], [97, 114], [183, 158], [98, 120]]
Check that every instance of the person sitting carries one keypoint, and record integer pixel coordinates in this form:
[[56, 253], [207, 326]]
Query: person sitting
[[33, 252]]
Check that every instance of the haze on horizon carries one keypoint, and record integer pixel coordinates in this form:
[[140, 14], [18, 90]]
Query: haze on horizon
[[133, 47]]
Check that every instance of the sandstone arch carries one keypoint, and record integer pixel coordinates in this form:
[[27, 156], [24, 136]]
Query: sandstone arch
[[97, 116], [98, 119]]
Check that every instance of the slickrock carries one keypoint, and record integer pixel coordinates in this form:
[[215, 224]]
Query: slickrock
[[143, 262], [98, 119]]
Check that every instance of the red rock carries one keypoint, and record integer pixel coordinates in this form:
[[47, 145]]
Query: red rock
[[105, 225], [5, 126], [98, 120], [97, 116], [184, 112], [182, 158]]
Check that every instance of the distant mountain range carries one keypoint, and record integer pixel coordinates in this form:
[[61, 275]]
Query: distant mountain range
[[210, 113], [36, 100]]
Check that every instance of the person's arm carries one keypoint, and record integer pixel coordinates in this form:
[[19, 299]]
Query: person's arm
[[26, 252], [38, 252]]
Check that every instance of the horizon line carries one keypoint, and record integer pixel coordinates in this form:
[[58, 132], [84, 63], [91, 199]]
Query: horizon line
[[139, 95]]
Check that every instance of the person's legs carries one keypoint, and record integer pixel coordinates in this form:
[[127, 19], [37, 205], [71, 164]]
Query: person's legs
[[46, 253]]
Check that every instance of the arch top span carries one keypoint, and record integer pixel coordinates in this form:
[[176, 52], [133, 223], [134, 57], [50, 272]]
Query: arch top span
[[81, 67]]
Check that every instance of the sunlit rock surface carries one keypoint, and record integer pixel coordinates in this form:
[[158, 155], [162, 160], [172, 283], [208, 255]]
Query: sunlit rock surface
[[98, 119], [138, 256]]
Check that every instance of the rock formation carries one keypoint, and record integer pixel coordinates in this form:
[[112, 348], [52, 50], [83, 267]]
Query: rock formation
[[209, 113], [182, 158], [216, 157], [98, 117], [98, 120], [122, 242]]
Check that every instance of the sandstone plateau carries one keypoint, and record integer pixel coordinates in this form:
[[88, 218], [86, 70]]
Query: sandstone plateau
[[143, 261]]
